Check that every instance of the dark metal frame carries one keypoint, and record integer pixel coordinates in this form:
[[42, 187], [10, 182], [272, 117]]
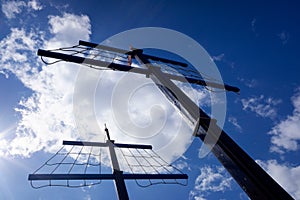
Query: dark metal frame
[[117, 175], [248, 174]]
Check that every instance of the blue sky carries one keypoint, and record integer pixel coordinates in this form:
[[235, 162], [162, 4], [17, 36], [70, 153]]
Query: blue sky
[[253, 44]]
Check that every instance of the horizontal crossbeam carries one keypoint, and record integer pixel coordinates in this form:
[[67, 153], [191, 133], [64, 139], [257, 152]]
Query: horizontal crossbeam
[[88, 61], [126, 68], [35, 177], [100, 144]]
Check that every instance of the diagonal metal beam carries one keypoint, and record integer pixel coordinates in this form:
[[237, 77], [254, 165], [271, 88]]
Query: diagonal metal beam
[[257, 183]]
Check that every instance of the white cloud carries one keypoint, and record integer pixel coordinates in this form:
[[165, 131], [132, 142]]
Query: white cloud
[[197, 94], [16, 52], [46, 116], [63, 29], [235, 123], [249, 83], [218, 57], [263, 107], [211, 179], [193, 195], [11, 8], [287, 176], [35, 5], [182, 164], [286, 134], [137, 112], [221, 58], [253, 26]]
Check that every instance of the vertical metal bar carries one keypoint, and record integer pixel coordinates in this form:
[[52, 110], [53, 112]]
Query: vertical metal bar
[[118, 174], [113, 156], [247, 173], [120, 185], [107, 132]]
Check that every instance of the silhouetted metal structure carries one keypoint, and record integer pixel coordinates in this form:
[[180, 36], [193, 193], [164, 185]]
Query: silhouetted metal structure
[[117, 175], [246, 172]]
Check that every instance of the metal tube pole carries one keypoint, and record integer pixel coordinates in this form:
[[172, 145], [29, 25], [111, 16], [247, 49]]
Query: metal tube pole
[[118, 174]]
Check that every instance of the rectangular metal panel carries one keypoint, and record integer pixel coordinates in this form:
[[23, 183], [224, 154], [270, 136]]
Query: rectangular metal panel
[[117, 50], [103, 47]]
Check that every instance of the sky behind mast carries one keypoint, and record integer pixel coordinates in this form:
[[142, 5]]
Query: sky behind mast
[[254, 44]]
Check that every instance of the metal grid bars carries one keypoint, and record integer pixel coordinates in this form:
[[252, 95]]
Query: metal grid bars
[[190, 73], [79, 164], [186, 71], [88, 53], [146, 161], [70, 160], [102, 57]]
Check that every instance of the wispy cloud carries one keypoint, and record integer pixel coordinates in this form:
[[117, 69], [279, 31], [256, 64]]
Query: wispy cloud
[[18, 52], [263, 107], [211, 179], [250, 83], [12, 8], [221, 58], [35, 5], [284, 37], [235, 123], [218, 57], [285, 136], [287, 176], [182, 163], [253, 26]]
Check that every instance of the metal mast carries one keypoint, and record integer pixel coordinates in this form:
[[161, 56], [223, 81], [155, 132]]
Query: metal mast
[[246, 172]]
